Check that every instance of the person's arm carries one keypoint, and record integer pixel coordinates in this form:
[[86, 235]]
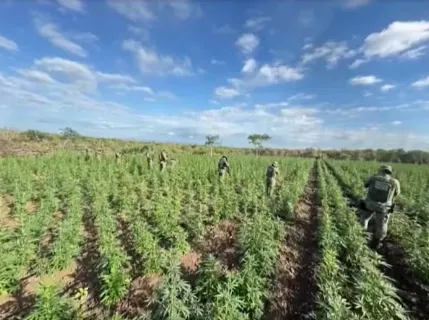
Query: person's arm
[[368, 182], [398, 188]]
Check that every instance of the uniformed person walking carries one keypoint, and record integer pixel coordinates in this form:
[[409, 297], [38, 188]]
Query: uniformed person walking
[[163, 160], [149, 158], [118, 157], [87, 154], [271, 178], [379, 203], [223, 166]]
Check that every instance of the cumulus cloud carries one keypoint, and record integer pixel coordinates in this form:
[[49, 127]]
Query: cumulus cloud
[[396, 39], [257, 23], [396, 123], [73, 5], [421, 83], [332, 52], [249, 66], [247, 43], [387, 87], [364, 80], [151, 62], [52, 33], [8, 44], [226, 93]]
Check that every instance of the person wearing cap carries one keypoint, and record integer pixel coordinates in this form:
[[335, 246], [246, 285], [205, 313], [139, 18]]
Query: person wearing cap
[[223, 166], [271, 178], [379, 202]]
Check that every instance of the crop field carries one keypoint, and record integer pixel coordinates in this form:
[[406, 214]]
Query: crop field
[[116, 240]]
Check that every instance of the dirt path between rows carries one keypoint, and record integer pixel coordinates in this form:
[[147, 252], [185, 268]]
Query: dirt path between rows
[[293, 290], [414, 295]]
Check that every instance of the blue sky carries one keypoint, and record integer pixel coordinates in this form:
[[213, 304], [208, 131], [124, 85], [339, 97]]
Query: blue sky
[[328, 74]]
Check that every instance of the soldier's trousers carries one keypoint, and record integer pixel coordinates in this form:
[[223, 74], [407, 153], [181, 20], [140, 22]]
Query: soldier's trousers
[[222, 173], [270, 185], [381, 220], [162, 166]]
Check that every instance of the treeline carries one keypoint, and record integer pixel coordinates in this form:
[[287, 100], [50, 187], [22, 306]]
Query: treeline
[[71, 139], [381, 155]]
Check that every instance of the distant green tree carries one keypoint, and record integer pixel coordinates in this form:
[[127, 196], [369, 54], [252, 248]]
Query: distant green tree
[[257, 140], [69, 133], [211, 141]]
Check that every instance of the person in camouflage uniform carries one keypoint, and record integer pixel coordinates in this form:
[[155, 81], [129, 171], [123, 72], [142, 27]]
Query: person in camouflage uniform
[[98, 154], [223, 166], [149, 158], [271, 178], [87, 154], [118, 157], [163, 160], [379, 203]]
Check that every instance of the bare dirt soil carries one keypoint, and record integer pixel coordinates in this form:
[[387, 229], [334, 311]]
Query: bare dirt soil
[[414, 294], [293, 289], [221, 242]]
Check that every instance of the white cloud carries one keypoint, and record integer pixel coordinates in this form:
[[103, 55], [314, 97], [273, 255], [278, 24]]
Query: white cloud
[[414, 53], [353, 4], [307, 46], [74, 5], [150, 62], [367, 94], [36, 76], [8, 44], [364, 80], [114, 78], [51, 32], [421, 83], [223, 29], [257, 23], [217, 62], [272, 105], [387, 87], [184, 9], [249, 66], [247, 43], [265, 75], [226, 93], [332, 52], [396, 123], [134, 10], [396, 39], [301, 96], [78, 74], [357, 63]]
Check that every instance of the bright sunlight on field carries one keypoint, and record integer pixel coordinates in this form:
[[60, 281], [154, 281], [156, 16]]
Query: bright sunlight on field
[[107, 240]]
